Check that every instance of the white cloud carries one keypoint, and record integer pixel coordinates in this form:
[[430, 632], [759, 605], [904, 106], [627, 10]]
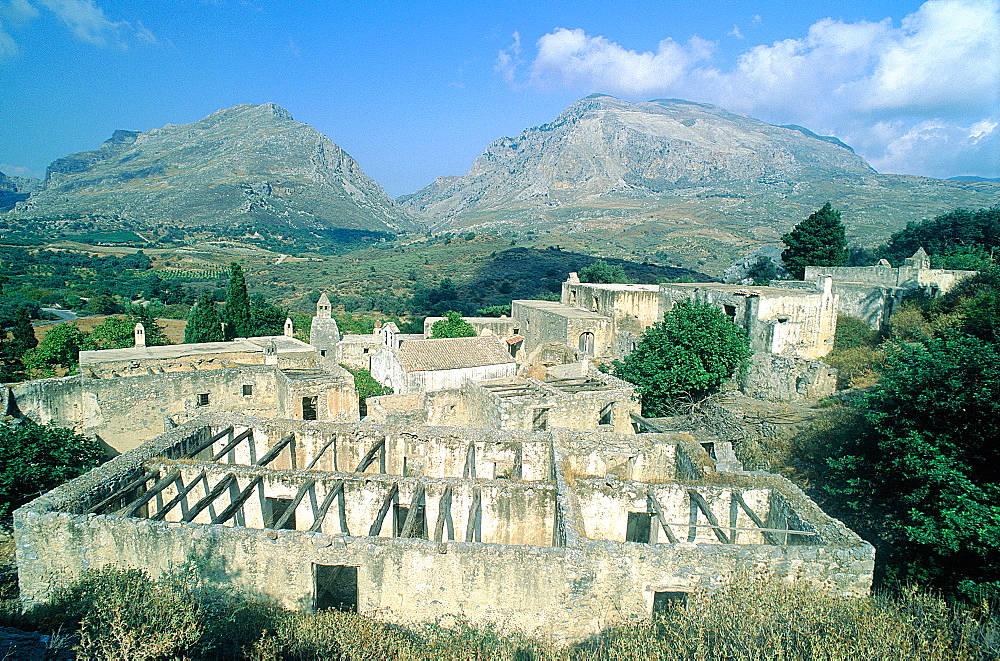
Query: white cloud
[[572, 58], [86, 21], [510, 59], [84, 18], [735, 32], [899, 93]]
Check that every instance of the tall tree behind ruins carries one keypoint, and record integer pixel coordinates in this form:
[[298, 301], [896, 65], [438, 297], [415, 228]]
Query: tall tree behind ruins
[[236, 311]]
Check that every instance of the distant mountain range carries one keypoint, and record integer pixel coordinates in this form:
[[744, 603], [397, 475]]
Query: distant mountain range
[[686, 180], [247, 168], [679, 182]]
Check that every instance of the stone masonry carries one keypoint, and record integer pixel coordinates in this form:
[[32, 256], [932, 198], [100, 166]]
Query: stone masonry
[[558, 533]]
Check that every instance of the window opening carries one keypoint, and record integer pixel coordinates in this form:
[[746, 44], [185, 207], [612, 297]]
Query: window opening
[[400, 513], [309, 408], [540, 420], [274, 509], [638, 527], [730, 310], [335, 587], [586, 343], [203, 399], [247, 389], [607, 414], [664, 602], [322, 352]]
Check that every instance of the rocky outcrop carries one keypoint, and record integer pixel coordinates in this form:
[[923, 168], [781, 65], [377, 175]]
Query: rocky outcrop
[[247, 166], [16, 189]]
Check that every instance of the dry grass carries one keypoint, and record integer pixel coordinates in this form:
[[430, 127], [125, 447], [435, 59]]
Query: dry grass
[[123, 614], [172, 328]]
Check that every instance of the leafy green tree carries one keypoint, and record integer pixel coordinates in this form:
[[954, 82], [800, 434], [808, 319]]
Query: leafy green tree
[[113, 333], [602, 272], [819, 240], [366, 386], [691, 352], [923, 479], [36, 458], [204, 323], [61, 347], [452, 326], [763, 271], [119, 332], [103, 304], [438, 300], [236, 311], [494, 311]]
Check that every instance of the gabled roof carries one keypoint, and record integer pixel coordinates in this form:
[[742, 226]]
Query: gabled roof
[[453, 353]]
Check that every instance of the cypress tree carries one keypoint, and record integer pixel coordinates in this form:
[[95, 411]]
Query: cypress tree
[[204, 323], [819, 240], [23, 335], [236, 311]]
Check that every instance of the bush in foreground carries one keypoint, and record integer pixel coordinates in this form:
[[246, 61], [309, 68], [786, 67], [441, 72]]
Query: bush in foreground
[[122, 613]]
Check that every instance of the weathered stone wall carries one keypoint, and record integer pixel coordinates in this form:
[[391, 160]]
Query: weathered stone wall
[[499, 326], [538, 567], [632, 309], [780, 321], [356, 351], [545, 321], [939, 281], [56, 400], [788, 379], [324, 335], [128, 411]]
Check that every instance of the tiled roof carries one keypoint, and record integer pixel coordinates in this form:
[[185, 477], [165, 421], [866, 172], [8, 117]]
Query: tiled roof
[[453, 353]]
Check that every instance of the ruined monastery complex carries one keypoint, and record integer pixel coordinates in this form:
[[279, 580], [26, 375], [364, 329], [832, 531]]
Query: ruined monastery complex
[[506, 478]]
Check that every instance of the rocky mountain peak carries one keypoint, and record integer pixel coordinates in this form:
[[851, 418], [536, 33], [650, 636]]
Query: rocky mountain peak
[[247, 165], [604, 147]]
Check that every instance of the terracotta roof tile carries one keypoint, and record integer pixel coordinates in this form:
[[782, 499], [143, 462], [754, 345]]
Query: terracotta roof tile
[[453, 353]]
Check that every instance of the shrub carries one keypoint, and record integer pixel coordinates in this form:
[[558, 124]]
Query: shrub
[[37, 458], [452, 326], [124, 614]]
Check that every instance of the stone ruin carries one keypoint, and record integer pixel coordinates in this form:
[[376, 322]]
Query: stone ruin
[[558, 533]]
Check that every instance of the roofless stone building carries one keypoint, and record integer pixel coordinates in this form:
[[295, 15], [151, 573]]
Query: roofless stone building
[[558, 533]]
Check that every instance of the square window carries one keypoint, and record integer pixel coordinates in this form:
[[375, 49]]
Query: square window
[[664, 602], [638, 527], [247, 389], [335, 587], [203, 399], [275, 509]]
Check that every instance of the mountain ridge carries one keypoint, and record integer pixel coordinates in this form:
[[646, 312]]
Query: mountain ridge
[[708, 183], [251, 167]]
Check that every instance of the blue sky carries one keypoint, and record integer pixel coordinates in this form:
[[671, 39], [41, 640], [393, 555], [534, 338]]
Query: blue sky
[[417, 90]]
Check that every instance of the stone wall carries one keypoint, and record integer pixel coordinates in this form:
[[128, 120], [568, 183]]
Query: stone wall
[[545, 321], [933, 281], [541, 549], [788, 379]]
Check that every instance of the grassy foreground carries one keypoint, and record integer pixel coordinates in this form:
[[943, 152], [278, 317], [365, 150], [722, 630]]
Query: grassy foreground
[[124, 614]]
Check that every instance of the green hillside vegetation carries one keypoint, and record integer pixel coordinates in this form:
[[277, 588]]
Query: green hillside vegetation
[[959, 239]]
